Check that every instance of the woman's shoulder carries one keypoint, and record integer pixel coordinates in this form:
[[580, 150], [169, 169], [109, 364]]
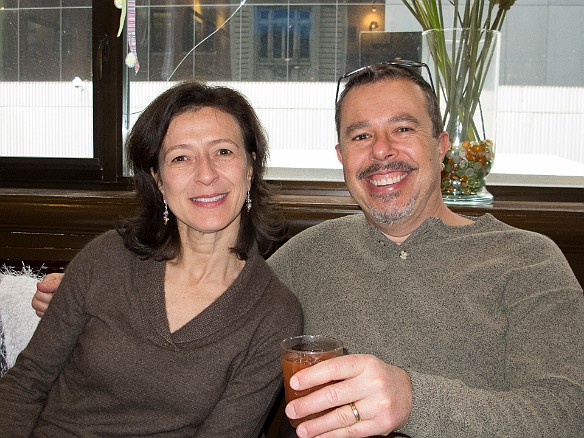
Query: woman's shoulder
[[110, 239], [105, 248], [328, 231], [275, 291], [262, 273]]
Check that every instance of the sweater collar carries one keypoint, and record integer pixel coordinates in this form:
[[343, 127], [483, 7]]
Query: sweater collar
[[431, 229], [229, 308]]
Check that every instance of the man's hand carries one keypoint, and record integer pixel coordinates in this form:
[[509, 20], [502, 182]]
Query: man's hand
[[381, 393], [44, 292]]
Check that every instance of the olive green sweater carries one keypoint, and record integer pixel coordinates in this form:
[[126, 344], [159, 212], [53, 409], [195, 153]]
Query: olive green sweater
[[103, 362], [487, 319]]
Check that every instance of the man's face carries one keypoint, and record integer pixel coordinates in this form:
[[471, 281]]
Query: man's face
[[390, 160]]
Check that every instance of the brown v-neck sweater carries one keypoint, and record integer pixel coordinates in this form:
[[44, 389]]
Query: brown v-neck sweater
[[104, 363]]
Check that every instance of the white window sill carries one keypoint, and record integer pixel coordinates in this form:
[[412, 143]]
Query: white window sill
[[509, 169]]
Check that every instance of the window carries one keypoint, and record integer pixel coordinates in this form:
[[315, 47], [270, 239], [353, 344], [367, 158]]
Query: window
[[50, 95], [67, 100], [282, 38]]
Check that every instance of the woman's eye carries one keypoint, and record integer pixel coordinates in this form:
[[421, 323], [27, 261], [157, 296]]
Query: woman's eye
[[224, 152], [179, 158]]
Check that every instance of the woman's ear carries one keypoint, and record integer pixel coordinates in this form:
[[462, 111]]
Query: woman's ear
[[250, 169], [157, 179]]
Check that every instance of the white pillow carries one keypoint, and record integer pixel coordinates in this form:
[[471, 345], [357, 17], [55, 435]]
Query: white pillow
[[19, 319]]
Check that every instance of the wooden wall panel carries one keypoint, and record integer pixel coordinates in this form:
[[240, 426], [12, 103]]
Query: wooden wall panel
[[47, 227]]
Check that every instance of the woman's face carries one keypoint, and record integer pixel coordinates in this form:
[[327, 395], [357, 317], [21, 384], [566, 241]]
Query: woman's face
[[204, 173]]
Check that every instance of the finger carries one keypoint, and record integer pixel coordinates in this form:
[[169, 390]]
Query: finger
[[334, 420], [39, 307], [40, 302], [337, 368], [43, 297], [329, 397], [329, 426], [50, 283], [360, 430], [45, 287]]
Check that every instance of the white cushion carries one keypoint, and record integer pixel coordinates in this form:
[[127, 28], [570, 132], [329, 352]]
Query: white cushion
[[19, 319]]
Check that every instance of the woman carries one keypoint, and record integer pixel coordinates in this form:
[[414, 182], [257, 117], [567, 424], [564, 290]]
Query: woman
[[169, 326]]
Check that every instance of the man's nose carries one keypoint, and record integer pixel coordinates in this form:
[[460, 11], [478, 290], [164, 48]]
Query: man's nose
[[383, 148]]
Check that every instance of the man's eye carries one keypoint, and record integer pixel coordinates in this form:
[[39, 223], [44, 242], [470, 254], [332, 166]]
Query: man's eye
[[404, 129], [361, 137]]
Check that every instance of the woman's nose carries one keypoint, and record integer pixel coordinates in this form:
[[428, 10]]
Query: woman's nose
[[206, 171]]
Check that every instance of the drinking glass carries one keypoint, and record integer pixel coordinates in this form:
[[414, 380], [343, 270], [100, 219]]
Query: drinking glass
[[301, 352]]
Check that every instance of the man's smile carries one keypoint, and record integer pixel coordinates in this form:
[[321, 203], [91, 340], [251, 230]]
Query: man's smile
[[386, 181], [383, 175]]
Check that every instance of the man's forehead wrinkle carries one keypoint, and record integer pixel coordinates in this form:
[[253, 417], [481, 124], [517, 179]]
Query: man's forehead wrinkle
[[391, 119], [357, 125], [404, 118]]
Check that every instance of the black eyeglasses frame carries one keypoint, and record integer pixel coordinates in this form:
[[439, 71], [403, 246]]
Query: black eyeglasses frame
[[403, 63]]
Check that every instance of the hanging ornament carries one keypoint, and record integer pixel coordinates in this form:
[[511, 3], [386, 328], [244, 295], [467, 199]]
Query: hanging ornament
[[132, 58], [121, 4]]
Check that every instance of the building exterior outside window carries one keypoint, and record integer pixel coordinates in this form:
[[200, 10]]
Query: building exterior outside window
[[285, 56]]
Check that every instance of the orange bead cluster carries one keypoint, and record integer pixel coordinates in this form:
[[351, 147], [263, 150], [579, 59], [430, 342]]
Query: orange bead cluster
[[465, 167]]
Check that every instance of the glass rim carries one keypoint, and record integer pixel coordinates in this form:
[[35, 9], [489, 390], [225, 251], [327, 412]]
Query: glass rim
[[338, 345]]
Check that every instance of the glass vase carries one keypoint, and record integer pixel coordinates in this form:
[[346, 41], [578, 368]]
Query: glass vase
[[465, 66]]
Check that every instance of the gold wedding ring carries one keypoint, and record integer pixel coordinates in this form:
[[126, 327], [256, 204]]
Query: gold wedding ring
[[355, 411]]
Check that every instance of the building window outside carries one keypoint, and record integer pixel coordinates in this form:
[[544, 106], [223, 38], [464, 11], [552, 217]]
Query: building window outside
[[285, 57], [283, 34], [282, 39]]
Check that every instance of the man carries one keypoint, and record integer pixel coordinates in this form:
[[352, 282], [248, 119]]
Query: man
[[455, 327]]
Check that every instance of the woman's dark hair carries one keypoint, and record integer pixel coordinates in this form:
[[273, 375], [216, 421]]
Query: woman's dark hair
[[146, 233], [381, 72]]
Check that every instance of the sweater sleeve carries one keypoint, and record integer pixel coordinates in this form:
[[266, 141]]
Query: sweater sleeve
[[24, 389], [253, 388], [544, 364]]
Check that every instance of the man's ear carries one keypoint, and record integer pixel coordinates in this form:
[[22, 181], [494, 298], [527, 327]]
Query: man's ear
[[339, 153], [443, 144]]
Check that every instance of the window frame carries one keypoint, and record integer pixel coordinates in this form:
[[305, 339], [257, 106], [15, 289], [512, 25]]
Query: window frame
[[106, 169], [106, 166]]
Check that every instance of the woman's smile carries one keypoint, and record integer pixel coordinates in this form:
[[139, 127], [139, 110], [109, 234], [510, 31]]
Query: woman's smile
[[209, 200]]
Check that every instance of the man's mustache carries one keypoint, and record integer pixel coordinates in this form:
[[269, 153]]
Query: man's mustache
[[392, 166]]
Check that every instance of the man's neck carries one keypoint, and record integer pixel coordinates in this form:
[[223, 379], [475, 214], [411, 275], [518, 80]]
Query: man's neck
[[399, 232]]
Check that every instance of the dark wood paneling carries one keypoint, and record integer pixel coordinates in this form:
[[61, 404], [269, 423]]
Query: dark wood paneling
[[48, 227]]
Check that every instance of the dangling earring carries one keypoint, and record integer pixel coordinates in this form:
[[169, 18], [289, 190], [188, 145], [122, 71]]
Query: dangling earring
[[442, 166], [165, 213], [248, 202]]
